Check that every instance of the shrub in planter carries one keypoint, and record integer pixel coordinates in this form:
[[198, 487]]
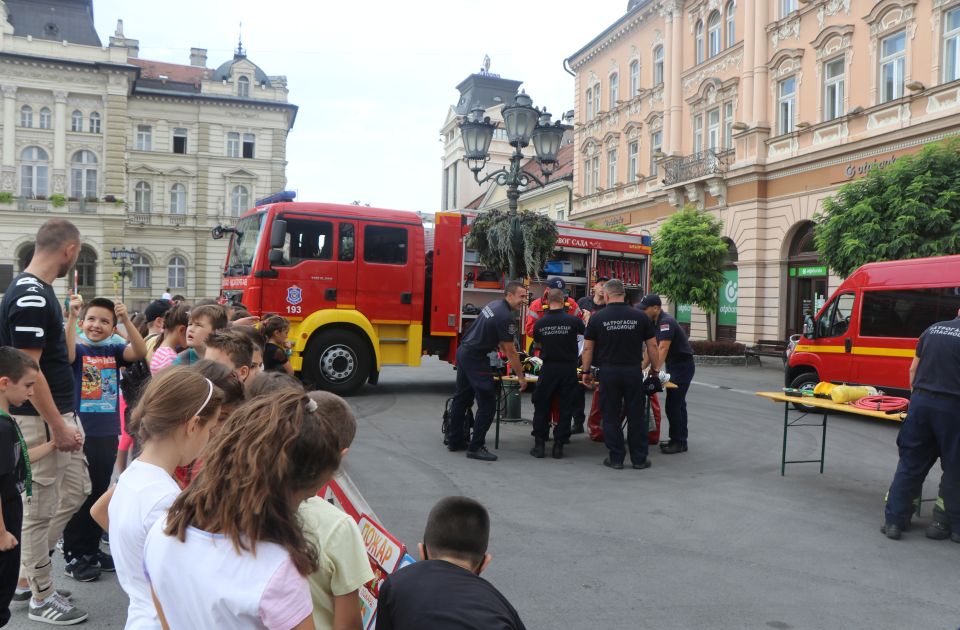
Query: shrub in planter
[[91, 199], [6, 197], [58, 200], [110, 198], [718, 348]]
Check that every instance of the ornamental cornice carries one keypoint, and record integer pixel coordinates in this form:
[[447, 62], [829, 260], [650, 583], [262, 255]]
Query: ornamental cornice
[[830, 8], [617, 34], [726, 62]]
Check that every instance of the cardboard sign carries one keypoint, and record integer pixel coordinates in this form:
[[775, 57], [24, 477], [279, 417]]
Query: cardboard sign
[[385, 553]]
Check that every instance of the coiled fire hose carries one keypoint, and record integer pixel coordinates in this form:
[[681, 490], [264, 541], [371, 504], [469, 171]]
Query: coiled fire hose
[[886, 404]]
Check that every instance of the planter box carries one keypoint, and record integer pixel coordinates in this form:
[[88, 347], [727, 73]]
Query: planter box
[[710, 360]]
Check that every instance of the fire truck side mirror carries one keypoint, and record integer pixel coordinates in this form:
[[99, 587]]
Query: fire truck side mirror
[[278, 234], [809, 329]]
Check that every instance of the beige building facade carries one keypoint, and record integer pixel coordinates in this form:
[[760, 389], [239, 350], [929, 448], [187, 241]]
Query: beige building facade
[[140, 154], [758, 111]]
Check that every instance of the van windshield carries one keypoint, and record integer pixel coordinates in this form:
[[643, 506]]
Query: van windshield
[[243, 245]]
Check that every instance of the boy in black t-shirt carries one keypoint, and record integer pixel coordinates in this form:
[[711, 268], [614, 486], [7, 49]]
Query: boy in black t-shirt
[[445, 591], [18, 374]]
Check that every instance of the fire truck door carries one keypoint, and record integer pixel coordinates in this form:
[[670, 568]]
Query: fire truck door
[[306, 276], [385, 273]]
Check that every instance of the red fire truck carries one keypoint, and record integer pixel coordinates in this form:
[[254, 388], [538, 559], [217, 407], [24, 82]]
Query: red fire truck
[[366, 287]]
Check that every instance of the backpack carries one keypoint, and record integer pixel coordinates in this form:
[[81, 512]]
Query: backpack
[[467, 421], [135, 379]]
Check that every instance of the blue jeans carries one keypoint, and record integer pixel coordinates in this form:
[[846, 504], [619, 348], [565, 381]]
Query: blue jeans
[[676, 406], [474, 381], [931, 430], [622, 390]]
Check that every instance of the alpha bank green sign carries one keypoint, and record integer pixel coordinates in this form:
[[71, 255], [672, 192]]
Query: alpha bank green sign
[[727, 312], [808, 272], [683, 313]]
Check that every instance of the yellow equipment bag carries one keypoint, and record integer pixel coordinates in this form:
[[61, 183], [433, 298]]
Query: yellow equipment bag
[[823, 388], [848, 393]]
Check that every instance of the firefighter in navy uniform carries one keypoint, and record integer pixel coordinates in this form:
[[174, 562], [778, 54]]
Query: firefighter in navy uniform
[[494, 329], [677, 355], [556, 332], [616, 337], [931, 429]]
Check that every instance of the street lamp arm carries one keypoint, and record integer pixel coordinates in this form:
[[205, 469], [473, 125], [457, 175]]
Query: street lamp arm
[[499, 176]]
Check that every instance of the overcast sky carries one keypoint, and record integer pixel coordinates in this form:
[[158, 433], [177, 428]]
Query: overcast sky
[[373, 80]]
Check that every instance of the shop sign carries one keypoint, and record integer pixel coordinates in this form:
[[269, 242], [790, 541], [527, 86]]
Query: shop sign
[[853, 170], [684, 312], [808, 272], [727, 313]]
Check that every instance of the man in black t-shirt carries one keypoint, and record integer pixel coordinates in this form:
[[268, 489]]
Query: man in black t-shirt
[[445, 590], [556, 332], [677, 355], [594, 302], [31, 320], [614, 340], [494, 329], [588, 304], [931, 429]]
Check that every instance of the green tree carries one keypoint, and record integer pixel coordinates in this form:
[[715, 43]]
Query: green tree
[[688, 255], [908, 209], [517, 243]]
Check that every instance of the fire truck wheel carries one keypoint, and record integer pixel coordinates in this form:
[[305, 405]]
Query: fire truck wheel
[[337, 361], [805, 381]]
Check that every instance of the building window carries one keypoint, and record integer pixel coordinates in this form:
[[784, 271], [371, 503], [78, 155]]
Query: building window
[[233, 144], [590, 104], [144, 138], [26, 117], [249, 141], [177, 273], [614, 89], [787, 7], [76, 121], [713, 34], [94, 122], [633, 161], [180, 140], [786, 104], [143, 198], [656, 145], [698, 133], [728, 125], [141, 272], [560, 215], [34, 172], [634, 78], [83, 175], [178, 199], [239, 200], [612, 168], [46, 119], [892, 57], [87, 271], [658, 65], [587, 187], [698, 42], [713, 129], [833, 83], [595, 172], [731, 23], [596, 98], [243, 87], [951, 45]]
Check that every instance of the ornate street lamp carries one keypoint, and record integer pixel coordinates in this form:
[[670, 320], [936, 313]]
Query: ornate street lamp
[[522, 122], [123, 257]]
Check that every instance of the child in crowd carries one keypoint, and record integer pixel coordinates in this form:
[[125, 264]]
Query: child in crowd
[[174, 419], [231, 553], [267, 382], [174, 338], [256, 339], [233, 396], [18, 374], [276, 351], [344, 566], [446, 590], [234, 350], [96, 374], [203, 321]]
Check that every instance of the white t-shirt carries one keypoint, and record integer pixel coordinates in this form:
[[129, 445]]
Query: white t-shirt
[[143, 495], [203, 582]]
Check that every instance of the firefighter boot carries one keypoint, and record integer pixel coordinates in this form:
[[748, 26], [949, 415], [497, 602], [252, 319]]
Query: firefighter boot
[[939, 528], [539, 449]]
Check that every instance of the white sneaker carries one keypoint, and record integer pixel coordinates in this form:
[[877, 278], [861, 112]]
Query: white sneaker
[[56, 611]]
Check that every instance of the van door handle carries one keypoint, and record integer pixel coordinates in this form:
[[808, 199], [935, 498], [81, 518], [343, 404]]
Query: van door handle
[[406, 298], [330, 295], [848, 344]]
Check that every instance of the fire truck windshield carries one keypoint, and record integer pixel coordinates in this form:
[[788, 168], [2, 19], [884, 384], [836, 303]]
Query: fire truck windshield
[[243, 245]]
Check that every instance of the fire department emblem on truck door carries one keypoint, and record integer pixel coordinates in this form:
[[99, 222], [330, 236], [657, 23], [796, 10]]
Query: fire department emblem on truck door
[[294, 295]]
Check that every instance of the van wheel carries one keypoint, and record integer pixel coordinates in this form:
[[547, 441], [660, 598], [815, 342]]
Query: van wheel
[[805, 382], [337, 361]]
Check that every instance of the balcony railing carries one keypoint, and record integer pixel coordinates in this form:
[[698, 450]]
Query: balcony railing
[[696, 166], [178, 219], [139, 218]]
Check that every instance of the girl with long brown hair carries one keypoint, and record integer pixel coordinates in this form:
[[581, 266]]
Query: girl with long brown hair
[[173, 419], [231, 553]]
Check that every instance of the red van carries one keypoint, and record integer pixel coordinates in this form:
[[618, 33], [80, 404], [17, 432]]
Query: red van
[[867, 331]]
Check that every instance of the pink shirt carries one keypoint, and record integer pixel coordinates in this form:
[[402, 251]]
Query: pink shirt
[[162, 358]]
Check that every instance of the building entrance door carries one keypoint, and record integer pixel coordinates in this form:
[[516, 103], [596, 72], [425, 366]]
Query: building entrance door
[[810, 294]]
